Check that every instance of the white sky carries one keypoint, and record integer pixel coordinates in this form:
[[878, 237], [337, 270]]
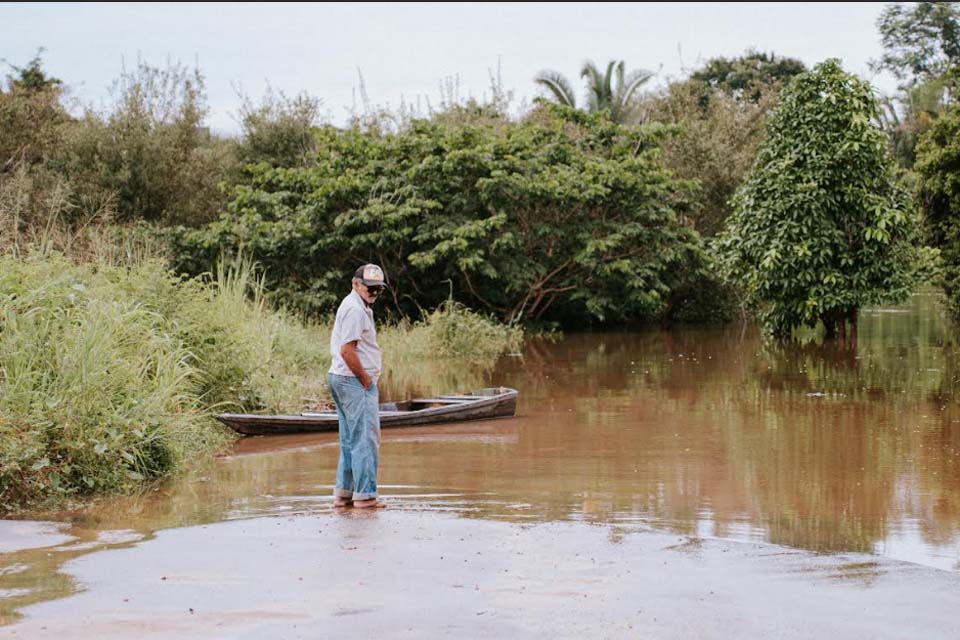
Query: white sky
[[406, 50]]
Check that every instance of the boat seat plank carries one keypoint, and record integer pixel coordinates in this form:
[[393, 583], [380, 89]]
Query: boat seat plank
[[464, 396], [441, 400], [307, 414]]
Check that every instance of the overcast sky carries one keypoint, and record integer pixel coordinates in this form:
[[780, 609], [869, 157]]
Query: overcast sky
[[405, 51]]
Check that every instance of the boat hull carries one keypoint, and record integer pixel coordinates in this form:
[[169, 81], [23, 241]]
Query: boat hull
[[484, 404]]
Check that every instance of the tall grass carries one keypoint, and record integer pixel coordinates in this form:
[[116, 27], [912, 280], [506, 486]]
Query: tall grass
[[94, 392], [109, 375], [39, 215]]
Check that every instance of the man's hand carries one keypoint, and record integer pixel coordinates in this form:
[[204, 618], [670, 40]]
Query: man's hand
[[349, 353], [365, 380]]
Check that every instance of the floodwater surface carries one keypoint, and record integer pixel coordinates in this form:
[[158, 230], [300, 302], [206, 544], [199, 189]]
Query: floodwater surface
[[702, 434]]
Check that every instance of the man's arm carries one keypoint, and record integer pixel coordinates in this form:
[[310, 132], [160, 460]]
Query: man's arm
[[349, 353]]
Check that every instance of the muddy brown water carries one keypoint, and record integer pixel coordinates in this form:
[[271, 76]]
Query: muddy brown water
[[703, 434]]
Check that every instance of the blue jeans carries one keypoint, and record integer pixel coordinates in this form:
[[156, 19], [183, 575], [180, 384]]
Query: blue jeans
[[359, 413]]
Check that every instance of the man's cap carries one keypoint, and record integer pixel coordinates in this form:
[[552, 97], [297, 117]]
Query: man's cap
[[371, 275]]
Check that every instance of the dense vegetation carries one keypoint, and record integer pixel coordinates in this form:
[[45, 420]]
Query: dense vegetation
[[563, 216], [938, 194], [558, 216]]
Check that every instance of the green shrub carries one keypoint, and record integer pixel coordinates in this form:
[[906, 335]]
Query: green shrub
[[149, 152], [279, 130], [562, 215]]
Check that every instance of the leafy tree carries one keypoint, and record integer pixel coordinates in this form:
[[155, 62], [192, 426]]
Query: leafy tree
[[613, 89], [938, 167], [150, 153], [33, 123], [921, 40], [32, 78], [921, 44], [721, 110], [748, 75], [279, 130], [31, 115], [563, 217], [906, 118], [820, 227], [713, 148]]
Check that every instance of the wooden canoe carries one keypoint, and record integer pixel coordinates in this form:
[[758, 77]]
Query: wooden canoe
[[482, 404]]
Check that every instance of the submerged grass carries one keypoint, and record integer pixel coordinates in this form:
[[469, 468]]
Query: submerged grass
[[110, 375], [449, 350], [451, 331]]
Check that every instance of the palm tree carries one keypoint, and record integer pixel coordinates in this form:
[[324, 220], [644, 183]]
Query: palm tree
[[602, 92], [559, 86]]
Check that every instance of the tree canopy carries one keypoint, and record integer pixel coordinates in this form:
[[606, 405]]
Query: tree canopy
[[746, 76], [938, 167], [721, 109], [30, 115], [820, 226], [921, 40], [32, 78]]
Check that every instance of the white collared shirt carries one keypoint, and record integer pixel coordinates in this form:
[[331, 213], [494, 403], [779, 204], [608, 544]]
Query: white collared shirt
[[355, 323]]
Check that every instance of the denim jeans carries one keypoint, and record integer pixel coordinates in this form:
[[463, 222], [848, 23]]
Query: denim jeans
[[359, 413]]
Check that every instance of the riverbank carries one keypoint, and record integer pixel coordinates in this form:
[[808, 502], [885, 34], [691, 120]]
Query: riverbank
[[406, 572]]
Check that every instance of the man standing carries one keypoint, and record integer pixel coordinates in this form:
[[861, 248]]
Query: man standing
[[353, 379]]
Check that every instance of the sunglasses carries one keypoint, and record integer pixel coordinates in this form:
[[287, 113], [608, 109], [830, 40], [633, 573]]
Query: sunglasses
[[374, 291]]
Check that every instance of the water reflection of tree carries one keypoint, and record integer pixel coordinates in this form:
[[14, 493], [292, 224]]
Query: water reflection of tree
[[823, 447], [217, 491]]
